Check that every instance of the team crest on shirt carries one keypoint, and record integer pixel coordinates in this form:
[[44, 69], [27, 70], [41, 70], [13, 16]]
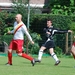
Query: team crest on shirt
[[50, 30]]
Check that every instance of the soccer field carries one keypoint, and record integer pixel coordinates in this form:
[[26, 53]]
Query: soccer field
[[23, 66]]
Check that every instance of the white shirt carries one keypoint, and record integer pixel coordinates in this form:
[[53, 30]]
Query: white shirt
[[20, 32]]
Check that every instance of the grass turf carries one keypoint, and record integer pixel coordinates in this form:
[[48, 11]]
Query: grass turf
[[23, 66]]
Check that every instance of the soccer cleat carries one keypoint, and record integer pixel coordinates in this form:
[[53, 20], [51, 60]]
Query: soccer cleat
[[57, 62], [33, 62], [8, 64], [38, 60]]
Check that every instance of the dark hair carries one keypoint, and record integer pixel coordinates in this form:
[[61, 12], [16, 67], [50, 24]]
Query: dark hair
[[49, 19]]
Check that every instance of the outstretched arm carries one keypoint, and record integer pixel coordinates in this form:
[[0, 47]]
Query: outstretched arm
[[70, 31], [63, 31]]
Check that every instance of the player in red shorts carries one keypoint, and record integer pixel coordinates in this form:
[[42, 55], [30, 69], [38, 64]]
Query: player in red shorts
[[18, 40], [73, 49]]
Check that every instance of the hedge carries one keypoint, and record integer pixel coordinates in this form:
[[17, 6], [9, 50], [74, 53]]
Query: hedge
[[38, 22]]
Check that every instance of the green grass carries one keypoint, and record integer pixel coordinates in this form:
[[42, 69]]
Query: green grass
[[23, 66]]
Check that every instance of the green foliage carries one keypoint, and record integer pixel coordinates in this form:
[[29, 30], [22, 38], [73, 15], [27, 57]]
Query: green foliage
[[72, 26], [3, 17], [7, 29], [20, 8], [58, 50], [7, 38], [33, 49], [6, 20], [39, 22], [59, 21], [36, 37], [64, 10], [64, 7]]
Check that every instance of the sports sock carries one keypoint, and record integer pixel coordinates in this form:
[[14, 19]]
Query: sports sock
[[9, 58], [54, 56], [40, 54], [27, 56]]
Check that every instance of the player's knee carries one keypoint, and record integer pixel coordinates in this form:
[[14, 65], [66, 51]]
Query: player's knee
[[9, 50], [19, 54]]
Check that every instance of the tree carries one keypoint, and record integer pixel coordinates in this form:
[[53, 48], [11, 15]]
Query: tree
[[64, 7]]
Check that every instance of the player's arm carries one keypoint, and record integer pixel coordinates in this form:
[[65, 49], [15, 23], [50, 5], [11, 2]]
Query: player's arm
[[27, 34], [10, 32], [62, 31]]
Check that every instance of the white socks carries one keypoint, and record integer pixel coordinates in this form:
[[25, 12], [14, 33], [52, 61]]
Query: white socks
[[54, 56], [40, 54]]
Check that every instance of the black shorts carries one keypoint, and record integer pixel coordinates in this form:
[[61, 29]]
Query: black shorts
[[49, 44]]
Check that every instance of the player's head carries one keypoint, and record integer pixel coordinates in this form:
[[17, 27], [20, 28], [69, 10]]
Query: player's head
[[49, 22], [18, 17]]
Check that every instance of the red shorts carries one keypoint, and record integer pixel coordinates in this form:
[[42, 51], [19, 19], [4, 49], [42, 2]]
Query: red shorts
[[16, 45], [74, 43]]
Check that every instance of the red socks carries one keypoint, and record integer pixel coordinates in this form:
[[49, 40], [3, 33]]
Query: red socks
[[9, 58], [23, 55], [27, 56]]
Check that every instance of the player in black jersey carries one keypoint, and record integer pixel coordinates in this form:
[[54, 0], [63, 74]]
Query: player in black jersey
[[50, 31]]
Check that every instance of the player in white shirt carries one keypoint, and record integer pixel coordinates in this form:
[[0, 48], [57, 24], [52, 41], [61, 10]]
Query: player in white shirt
[[18, 40]]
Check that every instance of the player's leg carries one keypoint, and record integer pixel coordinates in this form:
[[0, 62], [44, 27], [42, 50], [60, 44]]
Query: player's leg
[[9, 57], [40, 53], [10, 54], [51, 50], [24, 55]]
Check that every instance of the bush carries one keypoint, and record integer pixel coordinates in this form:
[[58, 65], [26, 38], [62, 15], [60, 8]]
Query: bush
[[38, 22], [7, 38], [58, 50], [33, 49]]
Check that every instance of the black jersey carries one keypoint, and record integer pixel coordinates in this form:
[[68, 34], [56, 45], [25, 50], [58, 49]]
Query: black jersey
[[53, 31]]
